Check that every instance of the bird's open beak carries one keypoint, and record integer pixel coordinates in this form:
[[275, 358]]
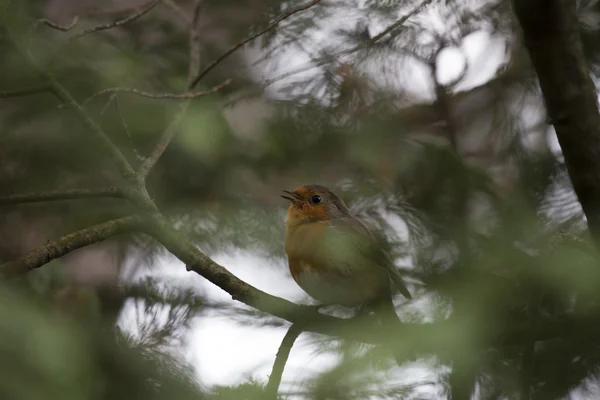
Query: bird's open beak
[[295, 198]]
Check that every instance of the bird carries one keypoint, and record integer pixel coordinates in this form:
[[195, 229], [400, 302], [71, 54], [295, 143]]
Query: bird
[[334, 257]]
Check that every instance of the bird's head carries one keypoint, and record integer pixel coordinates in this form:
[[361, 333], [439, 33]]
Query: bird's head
[[312, 203]]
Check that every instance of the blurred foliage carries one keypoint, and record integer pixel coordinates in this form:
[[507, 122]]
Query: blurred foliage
[[458, 177]]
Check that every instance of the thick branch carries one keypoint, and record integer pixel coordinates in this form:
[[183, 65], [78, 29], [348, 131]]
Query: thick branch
[[229, 52], [551, 34], [71, 194], [24, 92], [280, 360], [53, 250], [441, 337]]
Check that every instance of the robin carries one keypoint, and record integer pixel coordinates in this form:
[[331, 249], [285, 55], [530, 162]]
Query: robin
[[334, 257]]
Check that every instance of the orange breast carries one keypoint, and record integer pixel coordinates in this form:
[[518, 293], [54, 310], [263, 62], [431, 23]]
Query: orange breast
[[302, 246], [300, 266], [303, 240]]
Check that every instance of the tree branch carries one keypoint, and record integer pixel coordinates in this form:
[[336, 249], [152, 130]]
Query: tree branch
[[54, 25], [442, 337], [24, 92], [194, 64], [53, 250], [173, 96], [119, 159], [140, 13], [551, 35], [229, 52], [280, 360], [112, 11], [70, 194]]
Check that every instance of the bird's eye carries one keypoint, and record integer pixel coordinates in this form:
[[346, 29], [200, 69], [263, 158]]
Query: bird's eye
[[316, 199]]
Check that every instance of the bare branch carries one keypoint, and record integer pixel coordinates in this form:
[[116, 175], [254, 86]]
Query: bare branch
[[140, 13], [280, 360], [111, 11], [174, 96], [419, 338], [53, 250], [195, 45], [181, 13], [24, 92], [118, 157], [71, 194], [223, 56], [126, 128], [168, 134], [54, 25], [112, 98], [163, 141], [142, 9]]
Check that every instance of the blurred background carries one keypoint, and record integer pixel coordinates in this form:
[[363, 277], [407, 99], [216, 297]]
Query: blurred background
[[424, 116]]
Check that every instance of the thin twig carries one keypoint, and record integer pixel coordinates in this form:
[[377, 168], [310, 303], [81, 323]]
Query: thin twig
[[70, 194], [167, 136], [174, 96], [141, 10], [108, 103], [126, 128], [324, 60], [121, 162], [182, 14], [163, 141], [280, 360], [54, 25], [24, 92], [400, 22], [43, 255], [140, 13], [193, 80], [195, 45], [111, 11], [126, 182], [223, 56]]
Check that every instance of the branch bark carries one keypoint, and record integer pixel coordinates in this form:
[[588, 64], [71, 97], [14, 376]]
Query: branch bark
[[194, 65], [58, 248], [552, 37], [119, 159], [24, 92], [172, 96], [143, 10], [280, 360], [53, 195]]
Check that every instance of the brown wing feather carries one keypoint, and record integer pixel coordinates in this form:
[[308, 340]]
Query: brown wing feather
[[359, 238]]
